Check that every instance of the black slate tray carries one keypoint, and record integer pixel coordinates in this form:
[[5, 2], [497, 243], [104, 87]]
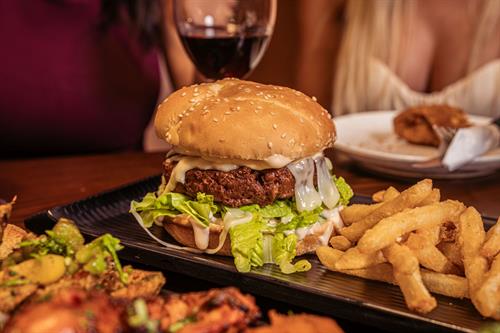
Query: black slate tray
[[338, 295]]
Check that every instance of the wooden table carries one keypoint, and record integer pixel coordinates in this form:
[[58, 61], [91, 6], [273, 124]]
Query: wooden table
[[44, 183]]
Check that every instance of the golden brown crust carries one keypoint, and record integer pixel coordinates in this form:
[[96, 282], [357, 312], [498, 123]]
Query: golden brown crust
[[220, 119], [415, 124], [179, 227]]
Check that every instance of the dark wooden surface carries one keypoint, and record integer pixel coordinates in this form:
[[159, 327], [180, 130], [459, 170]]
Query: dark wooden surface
[[44, 183]]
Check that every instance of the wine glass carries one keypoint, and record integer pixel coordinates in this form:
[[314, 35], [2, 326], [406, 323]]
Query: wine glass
[[225, 38]]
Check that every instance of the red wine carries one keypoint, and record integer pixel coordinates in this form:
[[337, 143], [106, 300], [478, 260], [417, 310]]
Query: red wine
[[225, 56]]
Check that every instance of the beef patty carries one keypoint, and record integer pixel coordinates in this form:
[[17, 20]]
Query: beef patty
[[242, 186]]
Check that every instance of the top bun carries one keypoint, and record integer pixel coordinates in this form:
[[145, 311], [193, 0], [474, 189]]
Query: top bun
[[235, 119]]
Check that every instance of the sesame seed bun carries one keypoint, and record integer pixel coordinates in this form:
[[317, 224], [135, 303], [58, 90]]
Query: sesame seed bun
[[235, 119]]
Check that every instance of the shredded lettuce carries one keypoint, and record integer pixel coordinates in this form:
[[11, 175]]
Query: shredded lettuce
[[247, 245], [279, 208], [284, 251], [345, 190]]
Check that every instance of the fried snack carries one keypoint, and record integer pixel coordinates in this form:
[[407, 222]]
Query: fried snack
[[12, 236], [389, 229], [378, 196], [430, 233], [6, 210], [305, 323], [407, 274], [340, 243], [452, 251], [409, 198], [492, 245], [470, 238], [356, 212], [444, 284], [488, 295], [428, 254], [415, 124], [353, 259], [385, 195]]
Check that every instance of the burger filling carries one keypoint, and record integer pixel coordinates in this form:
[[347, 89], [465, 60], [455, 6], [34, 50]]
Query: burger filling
[[264, 211]]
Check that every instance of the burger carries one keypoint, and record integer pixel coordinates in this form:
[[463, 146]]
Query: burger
[[246, 176]]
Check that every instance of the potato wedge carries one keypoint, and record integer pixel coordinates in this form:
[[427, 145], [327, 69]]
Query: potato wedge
[[487, 298], [356, 212], [409, 198], [389, 229]]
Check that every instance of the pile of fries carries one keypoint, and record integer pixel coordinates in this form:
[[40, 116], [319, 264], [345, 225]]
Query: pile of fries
[[422, 244]]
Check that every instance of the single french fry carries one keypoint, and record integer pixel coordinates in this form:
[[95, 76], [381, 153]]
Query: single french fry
[[340, 243], [488, 294], [409, 198], [390, 194], [378, 196], [470, 238], [445, 284], [353, 259], [433, 197], [389, 229], [492, 245], [356, 212], [407, 274], [428, 254], [381, 272], [430, 233], [452, 251]]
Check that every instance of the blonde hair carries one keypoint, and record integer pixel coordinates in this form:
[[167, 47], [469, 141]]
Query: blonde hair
[[374, 29]]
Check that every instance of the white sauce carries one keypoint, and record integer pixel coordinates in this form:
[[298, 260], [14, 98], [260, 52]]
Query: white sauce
[[334, 216], [201, 235], [232, 218], [327, 189], [306, 196]]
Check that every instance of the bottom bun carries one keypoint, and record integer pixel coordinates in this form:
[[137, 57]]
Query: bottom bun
[[179, 227]]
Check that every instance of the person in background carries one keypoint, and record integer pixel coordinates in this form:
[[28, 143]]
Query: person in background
[[361, 55], [83, 76]]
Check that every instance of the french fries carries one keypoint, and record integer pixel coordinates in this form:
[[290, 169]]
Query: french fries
[[409, 198], [492, 245], [389, 229], [488, 304], [414, 240], [340, 243], [353, 259]]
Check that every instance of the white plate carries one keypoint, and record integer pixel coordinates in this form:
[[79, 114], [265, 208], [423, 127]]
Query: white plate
[[369, 138]]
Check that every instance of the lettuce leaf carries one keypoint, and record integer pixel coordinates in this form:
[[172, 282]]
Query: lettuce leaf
[[247, 245], [283, 250], [170, 204], [279, 208], [345, 190], [304, 219]]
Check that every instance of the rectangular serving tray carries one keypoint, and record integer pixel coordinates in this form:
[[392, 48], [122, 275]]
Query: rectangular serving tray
[[334, 294]]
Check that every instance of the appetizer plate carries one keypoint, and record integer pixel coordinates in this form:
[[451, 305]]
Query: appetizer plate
[[319, 290], [369, 139]]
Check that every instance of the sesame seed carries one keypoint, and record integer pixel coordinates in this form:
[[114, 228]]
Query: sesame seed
[[275, 126], [252, 103], [204, 112], [192, 100], [196, 94], [258, 107], [196, 89], [272, 113], [297, 93], [283, 135], [183, 94], [292, 141], [227, 112], [269, 145], [247, 90], [205, 107], [215, 120], [314, 98], [256, 111]]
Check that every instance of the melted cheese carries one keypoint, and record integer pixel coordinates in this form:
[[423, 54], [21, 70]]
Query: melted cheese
[[201, 235], [327, 189], [232, 218], [306, 196]]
